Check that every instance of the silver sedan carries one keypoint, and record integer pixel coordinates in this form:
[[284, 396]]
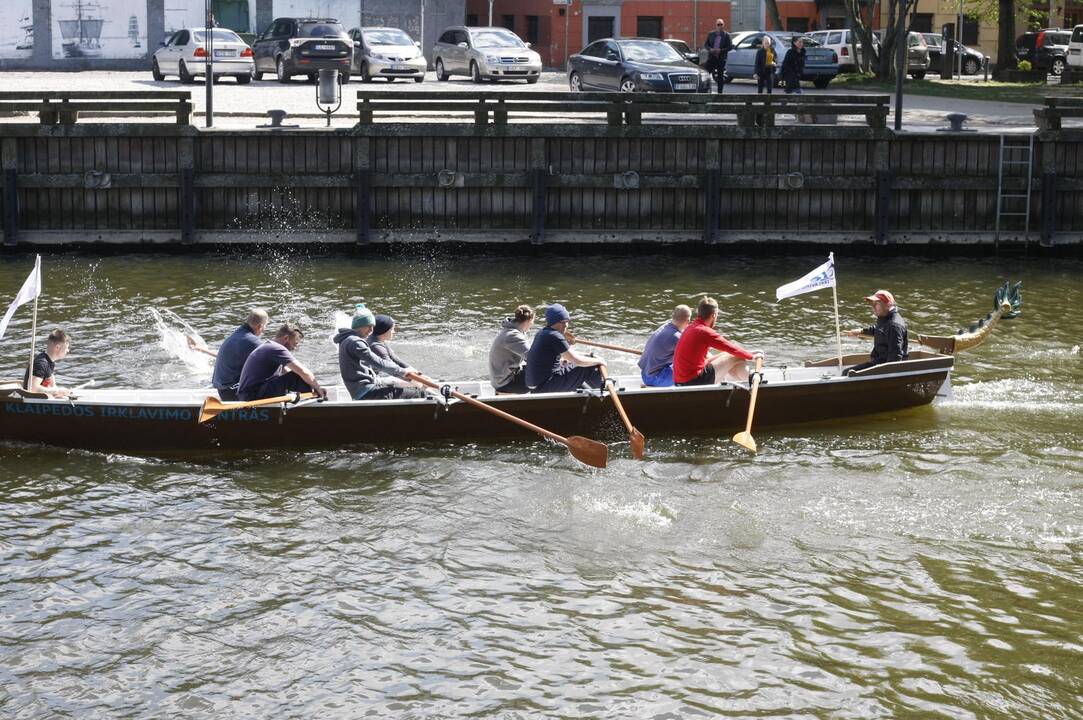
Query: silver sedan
[[185, 54]]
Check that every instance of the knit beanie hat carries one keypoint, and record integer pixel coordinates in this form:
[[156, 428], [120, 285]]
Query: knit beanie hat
[[362, 317], [383, 324], [556, 313]]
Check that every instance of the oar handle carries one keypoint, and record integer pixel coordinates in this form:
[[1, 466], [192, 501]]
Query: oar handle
[[418, 377]]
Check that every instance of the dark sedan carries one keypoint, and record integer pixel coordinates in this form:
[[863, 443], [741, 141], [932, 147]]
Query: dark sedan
[[634, 65], [973, 61]]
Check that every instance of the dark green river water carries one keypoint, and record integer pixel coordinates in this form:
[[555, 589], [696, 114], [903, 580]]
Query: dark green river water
[[922, 564]]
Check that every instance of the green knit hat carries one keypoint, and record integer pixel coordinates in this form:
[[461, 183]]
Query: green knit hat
[[362, 317]]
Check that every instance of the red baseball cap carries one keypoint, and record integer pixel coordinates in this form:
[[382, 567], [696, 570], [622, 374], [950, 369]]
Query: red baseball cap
[[882, 296]]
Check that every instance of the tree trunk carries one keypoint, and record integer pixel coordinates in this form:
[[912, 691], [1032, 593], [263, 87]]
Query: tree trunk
[[773, 14], [862, 43], [1006, 59]]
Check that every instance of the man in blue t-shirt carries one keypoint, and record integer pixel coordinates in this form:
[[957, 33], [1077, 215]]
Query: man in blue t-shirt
[[656, 362], [271, 370], [230, 358], [552, 365]]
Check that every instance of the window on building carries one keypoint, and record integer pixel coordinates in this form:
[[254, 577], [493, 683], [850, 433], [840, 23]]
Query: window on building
[[921, 22], [509, 22], [970, 31], [532, 30], [836, 23], [797, 24], [472, 20], [649, 26]]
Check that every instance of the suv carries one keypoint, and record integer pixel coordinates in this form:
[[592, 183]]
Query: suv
[[485, 53], [845, 45], [303, 46], [1045, 49], [917, 55], [1075, 48]]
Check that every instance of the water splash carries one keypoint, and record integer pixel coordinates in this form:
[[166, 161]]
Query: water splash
[[173, 332]]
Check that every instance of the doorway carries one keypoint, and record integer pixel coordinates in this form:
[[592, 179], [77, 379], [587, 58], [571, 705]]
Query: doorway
[[600, 26]]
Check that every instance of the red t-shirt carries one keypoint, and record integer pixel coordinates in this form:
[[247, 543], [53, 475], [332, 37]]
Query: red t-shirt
[[690, 357]]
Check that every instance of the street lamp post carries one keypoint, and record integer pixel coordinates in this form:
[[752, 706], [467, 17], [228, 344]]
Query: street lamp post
[[490, 13], [900, 68], [209, 77]]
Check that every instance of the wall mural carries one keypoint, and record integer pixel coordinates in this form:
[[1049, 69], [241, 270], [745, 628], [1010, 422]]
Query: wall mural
[[99, 29], [16, 28]]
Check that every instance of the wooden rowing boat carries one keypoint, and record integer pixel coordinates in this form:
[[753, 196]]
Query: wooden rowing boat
[[160, 422]]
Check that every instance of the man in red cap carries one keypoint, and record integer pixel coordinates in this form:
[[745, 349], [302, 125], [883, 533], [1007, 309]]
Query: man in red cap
[[889, 341]]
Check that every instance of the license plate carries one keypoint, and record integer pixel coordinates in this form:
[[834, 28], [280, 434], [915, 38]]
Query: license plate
[[325, 47], [400, 67], [225, 53], [684, 86]]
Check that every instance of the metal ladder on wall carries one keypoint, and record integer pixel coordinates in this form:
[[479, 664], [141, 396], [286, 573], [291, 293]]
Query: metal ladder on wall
[[1015, 152]]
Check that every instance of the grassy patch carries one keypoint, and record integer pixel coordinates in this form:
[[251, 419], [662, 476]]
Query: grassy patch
[[1029, 93]]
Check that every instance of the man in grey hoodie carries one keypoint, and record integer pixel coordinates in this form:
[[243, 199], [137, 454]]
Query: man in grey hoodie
[[507, 356], [361, 367]]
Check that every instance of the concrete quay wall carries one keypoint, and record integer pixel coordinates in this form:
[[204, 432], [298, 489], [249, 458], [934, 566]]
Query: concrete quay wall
[[156, 184]]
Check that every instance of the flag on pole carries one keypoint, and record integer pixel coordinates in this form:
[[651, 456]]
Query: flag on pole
[[821, 277], [30, 290]]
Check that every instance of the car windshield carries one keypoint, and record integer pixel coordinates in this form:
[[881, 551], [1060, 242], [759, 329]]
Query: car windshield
[[217, 35], [785, 40], [648, 51], [318, 30], [678, 45], [390, 36], [495, 39]]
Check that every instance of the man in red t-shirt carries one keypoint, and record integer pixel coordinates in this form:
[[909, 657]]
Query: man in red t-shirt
[[690, 363]]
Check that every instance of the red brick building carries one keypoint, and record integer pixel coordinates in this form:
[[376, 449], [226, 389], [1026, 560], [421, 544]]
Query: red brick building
[[546, 23]]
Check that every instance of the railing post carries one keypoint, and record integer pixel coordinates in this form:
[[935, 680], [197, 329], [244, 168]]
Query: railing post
[[539, 171], [614, 116], [481, 113], [712, 192], [362, 182], [9, 152]]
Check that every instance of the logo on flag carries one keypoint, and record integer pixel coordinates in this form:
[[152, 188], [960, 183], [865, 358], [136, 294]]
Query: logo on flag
[[821, 277], [30, 290]]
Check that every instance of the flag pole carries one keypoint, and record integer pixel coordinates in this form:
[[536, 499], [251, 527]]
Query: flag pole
[[33, 332], [835, 295]]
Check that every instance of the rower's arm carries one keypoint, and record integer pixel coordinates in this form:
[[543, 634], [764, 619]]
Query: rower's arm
[[199, 347], [306, 375], [36, 386], [575, 358]]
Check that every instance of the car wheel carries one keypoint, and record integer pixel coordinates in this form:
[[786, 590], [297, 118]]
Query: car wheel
[[419, 79], [475, 72], [575, 83], [970, 67], [628, 85], [1058, 67], [821, 82], [280, 71], [532, 81], [244, 79], [311, 77], [918, 74], [440, 74], [156, 72], [343, 77], [256, 74], [365, 77], [185, 76]]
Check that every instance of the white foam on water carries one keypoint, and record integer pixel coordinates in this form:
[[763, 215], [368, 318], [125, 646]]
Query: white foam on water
[[172, 331], [640, 512], [1016, 395]]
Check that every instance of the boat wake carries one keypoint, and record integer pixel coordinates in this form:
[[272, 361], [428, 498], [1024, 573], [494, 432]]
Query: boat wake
[[172, 331], [1018, 396]]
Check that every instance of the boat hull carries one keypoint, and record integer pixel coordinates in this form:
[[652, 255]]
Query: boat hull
[[158, 428]]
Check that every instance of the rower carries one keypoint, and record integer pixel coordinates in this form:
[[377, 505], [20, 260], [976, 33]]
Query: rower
[[690, 363], [366, 362], [656, 362], [271, 370], [552, 365], [507, 355], [231, 356], [42, 379], [889, 338]]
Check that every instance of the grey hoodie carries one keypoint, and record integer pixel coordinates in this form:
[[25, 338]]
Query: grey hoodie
[[360, 367], [507, 354]]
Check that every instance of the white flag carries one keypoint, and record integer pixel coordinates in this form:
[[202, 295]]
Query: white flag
[[821, 277], [30, 290]]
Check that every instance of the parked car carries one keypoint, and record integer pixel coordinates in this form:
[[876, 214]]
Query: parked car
[[844, 43], [1075, 48], [184, 54], [634, 65], [821, 64], [1045, 49], [303, 46], [973, 61], [386, 52], [485, 53], [682, 47], [917, 56]]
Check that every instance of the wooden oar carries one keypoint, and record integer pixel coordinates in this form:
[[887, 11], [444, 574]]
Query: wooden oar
[[605, 346], [585, 450], [213, 407], [634, 435], [745, 438]]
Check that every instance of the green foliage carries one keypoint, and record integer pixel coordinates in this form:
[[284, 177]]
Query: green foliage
[[1025, 66]]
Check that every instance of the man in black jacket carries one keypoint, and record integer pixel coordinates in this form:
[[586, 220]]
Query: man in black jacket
[[718, 47], [793, 66], [889, 340]]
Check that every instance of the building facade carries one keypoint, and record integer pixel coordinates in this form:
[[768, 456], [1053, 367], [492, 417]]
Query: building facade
[[123, 34]]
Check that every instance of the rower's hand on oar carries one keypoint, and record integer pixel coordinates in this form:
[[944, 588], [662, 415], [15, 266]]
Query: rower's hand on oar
[[569, 337], [856, 332]]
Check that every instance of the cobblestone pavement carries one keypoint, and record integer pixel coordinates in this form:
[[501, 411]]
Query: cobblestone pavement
[[246, 105]]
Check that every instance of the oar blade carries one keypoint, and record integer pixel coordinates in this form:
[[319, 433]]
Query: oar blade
[[745, 439], [638, 444], [589, 452], [210, 409]]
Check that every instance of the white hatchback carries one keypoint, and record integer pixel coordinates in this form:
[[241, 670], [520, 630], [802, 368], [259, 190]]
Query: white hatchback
[[1075, 48], [185, 54]]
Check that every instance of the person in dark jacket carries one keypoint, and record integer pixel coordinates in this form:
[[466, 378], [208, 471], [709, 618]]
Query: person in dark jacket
[[793, 66], [364, 369], [718, 47], [507, 355], [889, 339], [232, 353], [766, 61]]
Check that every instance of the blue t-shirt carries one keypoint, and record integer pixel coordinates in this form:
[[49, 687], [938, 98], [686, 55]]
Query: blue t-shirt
[[543, 358], [262, 365], [231, 356], [659, 350]]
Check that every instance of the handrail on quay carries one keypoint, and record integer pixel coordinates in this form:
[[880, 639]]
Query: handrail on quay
[[64, 106], [1056, 109], [622, 108]]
